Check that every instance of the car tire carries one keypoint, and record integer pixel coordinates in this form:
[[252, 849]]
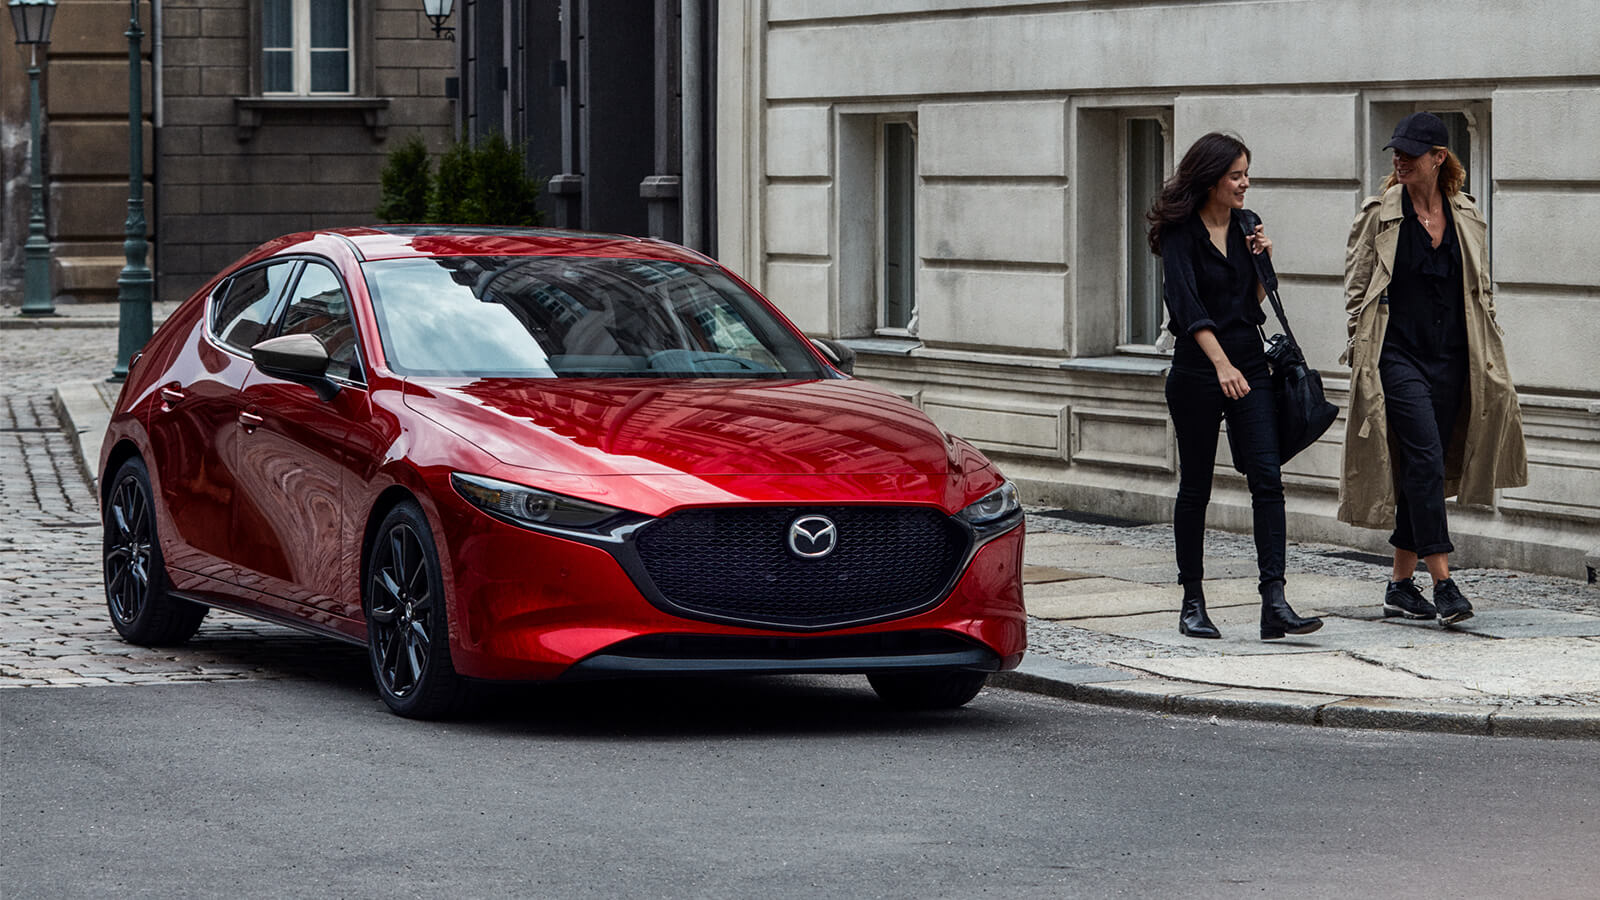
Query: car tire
[[138, 595], [927, 690], [408, 634]]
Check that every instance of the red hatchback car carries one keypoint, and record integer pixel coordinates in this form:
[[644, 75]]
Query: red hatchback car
[[533, 455]]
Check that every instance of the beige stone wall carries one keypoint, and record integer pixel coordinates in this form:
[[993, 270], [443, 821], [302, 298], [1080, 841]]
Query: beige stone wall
[[233, 175], [1019, 108]]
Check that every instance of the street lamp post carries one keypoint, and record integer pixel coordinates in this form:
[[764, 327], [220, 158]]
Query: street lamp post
[[135, 286], [32, 20]]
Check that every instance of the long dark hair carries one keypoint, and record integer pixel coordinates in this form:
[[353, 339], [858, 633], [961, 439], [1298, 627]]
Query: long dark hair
[[1202, 167]]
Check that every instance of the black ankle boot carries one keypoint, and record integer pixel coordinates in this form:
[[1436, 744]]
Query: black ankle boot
[[1277, 619], [1192, 619]]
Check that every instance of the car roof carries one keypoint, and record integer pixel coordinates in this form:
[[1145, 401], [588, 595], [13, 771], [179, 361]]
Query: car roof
[[412, 241]]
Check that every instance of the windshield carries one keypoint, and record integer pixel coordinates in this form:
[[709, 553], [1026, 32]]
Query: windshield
[[577, 317]]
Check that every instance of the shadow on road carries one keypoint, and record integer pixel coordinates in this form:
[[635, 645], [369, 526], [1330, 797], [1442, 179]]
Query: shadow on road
[[665, 708]]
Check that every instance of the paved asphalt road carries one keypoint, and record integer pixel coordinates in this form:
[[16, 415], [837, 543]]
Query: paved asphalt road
[[306, 787]]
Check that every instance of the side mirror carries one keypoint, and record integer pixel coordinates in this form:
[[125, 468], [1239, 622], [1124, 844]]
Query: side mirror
[[300, 358], [840, 356]]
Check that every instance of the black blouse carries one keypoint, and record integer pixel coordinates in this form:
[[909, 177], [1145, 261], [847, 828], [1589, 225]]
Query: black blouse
[[1426, 312], [1205, 289]]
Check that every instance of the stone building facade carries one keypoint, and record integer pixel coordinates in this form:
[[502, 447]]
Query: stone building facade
[[243, 160], [956, 189], [263, 117]]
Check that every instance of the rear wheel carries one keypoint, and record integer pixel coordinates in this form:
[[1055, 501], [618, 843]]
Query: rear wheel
[[408, 637], [927, 690], [143, 609]]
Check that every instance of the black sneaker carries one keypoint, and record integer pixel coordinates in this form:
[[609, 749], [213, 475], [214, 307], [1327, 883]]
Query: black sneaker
[[1404, 598], [1452, 605]]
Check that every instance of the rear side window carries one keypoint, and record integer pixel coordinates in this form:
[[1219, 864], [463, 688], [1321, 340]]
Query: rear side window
[[241, 315], [318, 306]]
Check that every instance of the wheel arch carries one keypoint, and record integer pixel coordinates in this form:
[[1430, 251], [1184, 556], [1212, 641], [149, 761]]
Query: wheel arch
[[119, 453], [392, 496]]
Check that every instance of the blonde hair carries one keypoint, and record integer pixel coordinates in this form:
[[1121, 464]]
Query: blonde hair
[[1452, 175]]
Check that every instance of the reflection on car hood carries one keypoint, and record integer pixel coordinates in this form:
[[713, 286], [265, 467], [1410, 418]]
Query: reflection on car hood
[[699, 427]]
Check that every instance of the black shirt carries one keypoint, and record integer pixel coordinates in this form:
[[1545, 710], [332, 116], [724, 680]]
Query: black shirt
[[1426, 313], [1205, 289]]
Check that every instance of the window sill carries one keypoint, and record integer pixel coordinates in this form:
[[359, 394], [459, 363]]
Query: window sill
[[1120, 365], [885, 346], [248, 111]]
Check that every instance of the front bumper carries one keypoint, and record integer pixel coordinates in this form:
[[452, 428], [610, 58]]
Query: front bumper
[[532, 606]]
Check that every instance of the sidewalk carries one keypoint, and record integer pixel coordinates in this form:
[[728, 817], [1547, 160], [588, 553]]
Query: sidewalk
[[1104, 629], [1103, 626]]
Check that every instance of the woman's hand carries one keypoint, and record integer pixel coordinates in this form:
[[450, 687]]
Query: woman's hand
[[1259, 242], [1234, 384]]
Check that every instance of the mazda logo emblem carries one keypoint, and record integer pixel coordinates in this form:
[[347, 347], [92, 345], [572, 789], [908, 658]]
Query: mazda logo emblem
[[813, 537]]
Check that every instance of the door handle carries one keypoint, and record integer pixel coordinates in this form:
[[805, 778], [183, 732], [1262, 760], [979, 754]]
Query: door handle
[[172, 397], [250, 421]]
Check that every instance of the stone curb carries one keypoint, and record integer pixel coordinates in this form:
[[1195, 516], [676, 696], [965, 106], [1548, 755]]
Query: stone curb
[[22, 323], [1114, 687], [84, 417]]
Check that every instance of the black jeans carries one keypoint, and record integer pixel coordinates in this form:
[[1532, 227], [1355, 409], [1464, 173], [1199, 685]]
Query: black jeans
[[1422, 398], [1198, 407]]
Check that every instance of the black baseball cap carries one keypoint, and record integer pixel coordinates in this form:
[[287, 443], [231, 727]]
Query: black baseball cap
[[1418, 133]]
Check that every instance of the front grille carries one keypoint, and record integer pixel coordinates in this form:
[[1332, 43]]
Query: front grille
[[735, 564]]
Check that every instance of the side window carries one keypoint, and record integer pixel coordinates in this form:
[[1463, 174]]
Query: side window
[[318, 306], [242, 307]]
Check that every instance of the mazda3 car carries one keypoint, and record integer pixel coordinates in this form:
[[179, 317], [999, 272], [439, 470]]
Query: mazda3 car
[[536, 455]]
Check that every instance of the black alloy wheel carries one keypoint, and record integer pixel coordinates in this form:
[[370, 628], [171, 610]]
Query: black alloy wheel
[[143, 610], [927, 690], [407, 630]]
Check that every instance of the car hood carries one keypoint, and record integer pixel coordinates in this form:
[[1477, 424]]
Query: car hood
[[703, 427]]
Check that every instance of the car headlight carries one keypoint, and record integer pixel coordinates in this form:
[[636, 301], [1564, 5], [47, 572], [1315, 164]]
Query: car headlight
[[529, 506], [1000, 503]]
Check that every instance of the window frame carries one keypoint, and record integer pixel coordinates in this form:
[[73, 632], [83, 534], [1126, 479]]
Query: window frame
[[882, 214], [362, 73], [1132, 231]]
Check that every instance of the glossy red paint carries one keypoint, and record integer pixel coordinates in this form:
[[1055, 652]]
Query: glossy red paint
[[266, 494]]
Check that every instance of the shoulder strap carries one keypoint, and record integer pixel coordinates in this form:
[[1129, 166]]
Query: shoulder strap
[[1248, 221]]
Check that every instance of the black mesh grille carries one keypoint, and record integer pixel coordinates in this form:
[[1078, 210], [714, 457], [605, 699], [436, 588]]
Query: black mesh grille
[[736, 563]]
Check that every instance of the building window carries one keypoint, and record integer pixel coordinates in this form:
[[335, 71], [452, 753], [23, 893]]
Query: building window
[[897, 219], [1144, 164], [306, 47]]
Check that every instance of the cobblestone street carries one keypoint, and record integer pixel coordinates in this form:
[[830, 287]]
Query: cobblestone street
[[54, 628]]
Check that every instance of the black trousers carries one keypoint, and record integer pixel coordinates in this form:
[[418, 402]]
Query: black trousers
[[1422, 398], [1198, 407]]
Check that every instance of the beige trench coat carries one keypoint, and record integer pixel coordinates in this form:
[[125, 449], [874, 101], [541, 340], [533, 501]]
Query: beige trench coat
[[1487, 450]]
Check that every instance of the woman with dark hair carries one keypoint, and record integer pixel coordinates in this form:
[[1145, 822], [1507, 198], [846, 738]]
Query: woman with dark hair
[[1219, 371], [1424, 348]]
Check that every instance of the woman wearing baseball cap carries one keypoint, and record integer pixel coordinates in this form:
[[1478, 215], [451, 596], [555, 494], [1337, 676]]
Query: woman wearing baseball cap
[[1433, 412]]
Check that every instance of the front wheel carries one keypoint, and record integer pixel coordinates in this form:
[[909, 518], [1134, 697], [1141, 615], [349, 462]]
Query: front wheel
[[927, 690], [408, 635], [143, 610]]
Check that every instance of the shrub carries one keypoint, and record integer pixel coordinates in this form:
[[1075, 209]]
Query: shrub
[[406, 180], [484, 185]]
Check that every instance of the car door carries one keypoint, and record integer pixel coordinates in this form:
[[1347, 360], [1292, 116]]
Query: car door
[[290, 540], [193, 430]]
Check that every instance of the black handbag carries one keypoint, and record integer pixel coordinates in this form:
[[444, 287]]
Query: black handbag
[[1303, 411]]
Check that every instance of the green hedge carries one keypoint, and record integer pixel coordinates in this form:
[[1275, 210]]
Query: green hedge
[[484, 184]]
